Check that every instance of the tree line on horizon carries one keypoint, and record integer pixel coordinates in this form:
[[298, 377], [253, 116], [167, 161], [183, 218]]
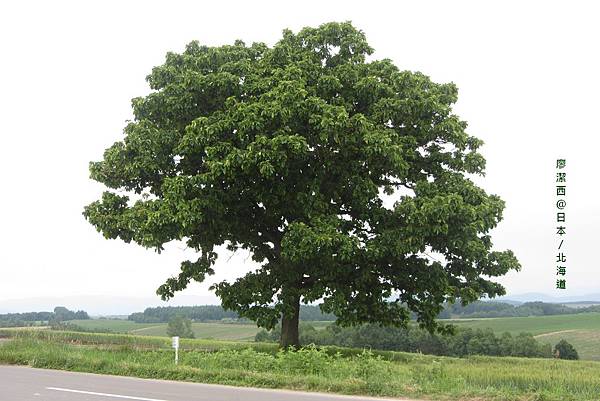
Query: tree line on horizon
[[483, 309], [60, 314], [205, 313], [477, 309]]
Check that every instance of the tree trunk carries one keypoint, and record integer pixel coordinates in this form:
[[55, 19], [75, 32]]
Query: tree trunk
[[290, 337]]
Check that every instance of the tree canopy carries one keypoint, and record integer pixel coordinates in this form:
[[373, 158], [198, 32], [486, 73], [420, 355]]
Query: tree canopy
[[564, 350], [180, 326], [287, 152]]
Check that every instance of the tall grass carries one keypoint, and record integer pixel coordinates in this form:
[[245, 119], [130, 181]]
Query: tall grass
[[329, 369], [137, 342]]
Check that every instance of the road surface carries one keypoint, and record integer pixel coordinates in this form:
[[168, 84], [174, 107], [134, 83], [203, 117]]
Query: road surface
[[19, 383]]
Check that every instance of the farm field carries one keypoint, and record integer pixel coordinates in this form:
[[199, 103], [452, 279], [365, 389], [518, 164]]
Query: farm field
[[116, 325], [329, 369], [534, 324], [582, 330], [220, 331]]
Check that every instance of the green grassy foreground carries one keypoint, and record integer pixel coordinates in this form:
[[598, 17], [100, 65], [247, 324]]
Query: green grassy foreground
[[339, 370]]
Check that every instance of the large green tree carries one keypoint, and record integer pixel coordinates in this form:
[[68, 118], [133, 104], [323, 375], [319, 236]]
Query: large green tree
[[287, 152]]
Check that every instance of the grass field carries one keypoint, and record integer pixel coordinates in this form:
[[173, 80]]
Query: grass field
[[116, 325], [338, 370], [582, 330], [535, 324], [221, 331]]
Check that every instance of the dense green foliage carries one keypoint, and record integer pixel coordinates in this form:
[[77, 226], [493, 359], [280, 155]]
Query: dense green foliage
[[199, 313], [285, 151], [28, 316], [204, 313], [180, 326], [564, 350], [479, 309], [413, 339], [329, 369], [12, 322], [60, 314]]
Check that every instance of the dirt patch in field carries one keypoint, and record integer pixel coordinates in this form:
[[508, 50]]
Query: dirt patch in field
[[144, 328], [553, 333]]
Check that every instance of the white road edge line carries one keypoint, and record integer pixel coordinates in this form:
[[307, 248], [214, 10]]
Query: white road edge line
[[66, 390]]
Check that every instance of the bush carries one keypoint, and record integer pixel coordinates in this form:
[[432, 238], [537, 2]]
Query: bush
[[465, 342], [181, 327], [564, 350]]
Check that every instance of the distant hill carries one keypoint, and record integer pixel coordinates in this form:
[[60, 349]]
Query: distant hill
[[581, 304], [541, 297], [507, 301]]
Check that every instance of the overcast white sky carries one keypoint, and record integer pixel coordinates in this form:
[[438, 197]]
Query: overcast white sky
[[528, 81]]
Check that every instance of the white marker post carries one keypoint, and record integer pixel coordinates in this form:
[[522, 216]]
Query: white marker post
[[176, 346]]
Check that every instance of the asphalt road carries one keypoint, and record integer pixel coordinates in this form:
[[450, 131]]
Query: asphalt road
[[19, 383]]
